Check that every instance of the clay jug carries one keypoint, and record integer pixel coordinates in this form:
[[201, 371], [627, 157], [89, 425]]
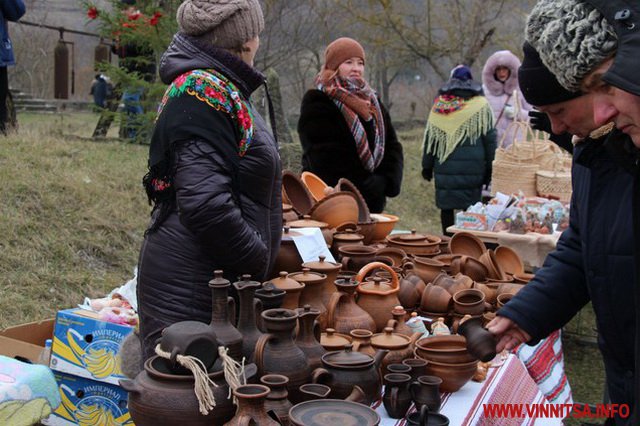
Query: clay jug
[[227, 335], [377, 298], [308, 338], [292, 288], [277, 399], [251, 407], [330, 269], [344, 314], [247, 314], [426, 391], [277, 353], [398, 323], [362, 341], [397, 398], [313, 288], [418, 367], [158, 397]]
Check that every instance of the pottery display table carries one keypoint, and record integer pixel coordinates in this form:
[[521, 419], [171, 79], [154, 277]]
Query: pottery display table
[[507, 384], [532, 247]]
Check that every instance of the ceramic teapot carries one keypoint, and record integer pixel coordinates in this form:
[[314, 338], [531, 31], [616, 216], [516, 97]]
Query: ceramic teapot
[[378, 298]]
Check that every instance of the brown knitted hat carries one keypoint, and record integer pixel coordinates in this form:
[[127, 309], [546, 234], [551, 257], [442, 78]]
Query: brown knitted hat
[[223, 23], [337, 52]]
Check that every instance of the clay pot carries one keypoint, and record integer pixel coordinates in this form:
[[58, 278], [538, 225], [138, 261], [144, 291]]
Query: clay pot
[[398, 323], [480, 342], [315, 185], [296, 192], [346, 185], [377, 298], [222, 318], [384, 224], [344, 314], [489, 289], [467, 244], [435, 299], [356, 257], [247, 325], [336, 208], [288, 258], [509, 261], [409, 295], [277, 399], [425, 390], [342, 370], [306, 339], [470, 267], [447, 349], [362, 341], [444, 243], [453, 376], [396, 254], [251, 409], [416, 244], [427, 269], [331, 270], [400, 347], [397, 398], [346, 238], [366, 230], [503, 299], [469, 301], [332, 341], [292, 288], [157, 396], [313, 288], [277, 353]]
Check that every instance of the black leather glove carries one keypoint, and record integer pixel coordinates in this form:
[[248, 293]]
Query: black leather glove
[[540, 121], [427, 174]]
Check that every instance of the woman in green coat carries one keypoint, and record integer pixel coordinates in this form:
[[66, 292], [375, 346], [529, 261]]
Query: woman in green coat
[[459, 144]]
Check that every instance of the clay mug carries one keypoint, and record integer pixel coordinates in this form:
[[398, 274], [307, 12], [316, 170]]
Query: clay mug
[[396, 398], [418, 367], [426, 391], [399, 368], [480, 342], [503, 299], [189, 338], [425, 418]]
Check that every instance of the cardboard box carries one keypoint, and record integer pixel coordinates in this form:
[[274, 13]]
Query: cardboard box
[[87, 402], [471, 221], [85, 346], [26, 341]]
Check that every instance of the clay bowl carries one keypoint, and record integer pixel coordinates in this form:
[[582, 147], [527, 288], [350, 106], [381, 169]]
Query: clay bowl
[[450, 349], [335, 209], [346, 185], [427, 268], [397, 255], [503, 299], [469, 301], [416, 244], [470, 267], [468, 244], [453, 376], [384, 224], [509, 260], [316, 186], [294, 190], [489, 260], [446, 258], [435, 299], [522, 278]]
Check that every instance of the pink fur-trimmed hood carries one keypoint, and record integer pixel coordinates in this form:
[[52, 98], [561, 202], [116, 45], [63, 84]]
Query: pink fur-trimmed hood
[[500, 58]]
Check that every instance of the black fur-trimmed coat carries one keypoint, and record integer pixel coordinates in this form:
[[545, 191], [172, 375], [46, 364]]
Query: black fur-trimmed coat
[[329, 151]]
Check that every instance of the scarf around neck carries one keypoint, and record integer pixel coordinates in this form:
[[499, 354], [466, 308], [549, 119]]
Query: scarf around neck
[[357, 100], [454, 119]]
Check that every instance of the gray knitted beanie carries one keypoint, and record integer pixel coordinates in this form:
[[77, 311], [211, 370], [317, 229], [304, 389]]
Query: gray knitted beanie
[[223, 23], [572, 38]]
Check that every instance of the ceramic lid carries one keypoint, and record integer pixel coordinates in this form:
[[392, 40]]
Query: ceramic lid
[[307, 277], [322, 265], [376, 284], [269, 291], [321, 412], [285, 283], [287, 233], [307, 222], [333, 339], [348, 235], [390, 340], [218, 281], [412, 237], [347, 358], [286, 207]]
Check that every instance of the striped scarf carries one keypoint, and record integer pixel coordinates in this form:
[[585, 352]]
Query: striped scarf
[[355, 98]]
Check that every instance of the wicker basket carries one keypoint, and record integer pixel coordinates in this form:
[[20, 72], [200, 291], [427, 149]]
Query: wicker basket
[[512, 177], [554, 183]]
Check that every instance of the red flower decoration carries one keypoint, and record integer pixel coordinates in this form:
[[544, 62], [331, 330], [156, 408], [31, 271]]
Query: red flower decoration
[[92, 12], [133, 16], [153, 21]]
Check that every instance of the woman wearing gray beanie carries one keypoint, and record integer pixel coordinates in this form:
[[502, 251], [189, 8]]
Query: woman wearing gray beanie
[[214, 174]]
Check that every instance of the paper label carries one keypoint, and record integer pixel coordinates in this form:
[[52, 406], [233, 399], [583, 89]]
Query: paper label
[[311, 245]]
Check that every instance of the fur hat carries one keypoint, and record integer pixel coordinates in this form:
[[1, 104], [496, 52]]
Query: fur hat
[[501, 58], [538, 85], [223, 23], [572, 38], [337, 52], [461, 72]]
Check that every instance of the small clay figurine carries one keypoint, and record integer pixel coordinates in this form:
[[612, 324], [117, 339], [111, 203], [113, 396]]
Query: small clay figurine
[[481, 372], [518, 225], [439, 328]]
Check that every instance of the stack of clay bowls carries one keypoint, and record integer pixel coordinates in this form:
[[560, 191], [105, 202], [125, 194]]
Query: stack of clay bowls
[[447, 358]]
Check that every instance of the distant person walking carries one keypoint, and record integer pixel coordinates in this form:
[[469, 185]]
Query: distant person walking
[[10, 10], [101, 90]]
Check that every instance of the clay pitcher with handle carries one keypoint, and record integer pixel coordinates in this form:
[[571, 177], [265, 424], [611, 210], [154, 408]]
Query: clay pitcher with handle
[[343, 313], [376, 297]]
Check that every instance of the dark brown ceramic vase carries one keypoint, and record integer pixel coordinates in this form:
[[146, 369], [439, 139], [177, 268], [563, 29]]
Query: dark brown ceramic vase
[[251, 410], [247, 326], [158, 397], [277, 353], [227, 335], [277, 399], [344, 314], [309, 335], [396, 398], [330, 269], [426, 391]]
